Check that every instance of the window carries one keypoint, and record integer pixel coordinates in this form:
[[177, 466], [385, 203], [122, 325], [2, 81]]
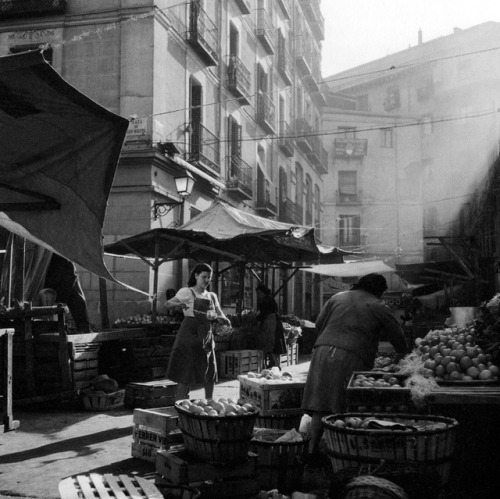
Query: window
[[300, 185], [349, 230], [234, 145], [234, 41], [317, 207], [347, 132], [348, 189], [387, 137], [392, 101]]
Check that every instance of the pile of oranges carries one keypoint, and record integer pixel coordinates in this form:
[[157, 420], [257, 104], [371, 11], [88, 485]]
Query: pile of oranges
[[451, 355]]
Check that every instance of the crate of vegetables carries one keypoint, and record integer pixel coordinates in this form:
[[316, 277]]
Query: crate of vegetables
[[378, 392]]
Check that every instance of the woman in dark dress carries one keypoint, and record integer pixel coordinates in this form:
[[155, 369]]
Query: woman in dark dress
[[267, 310], [192, 361]]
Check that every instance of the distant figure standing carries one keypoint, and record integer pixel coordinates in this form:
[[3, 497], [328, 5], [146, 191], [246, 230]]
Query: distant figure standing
[[267, 310], [192, 361]]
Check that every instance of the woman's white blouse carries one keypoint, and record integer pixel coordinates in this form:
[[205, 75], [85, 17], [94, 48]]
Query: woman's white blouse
[[185, 295]]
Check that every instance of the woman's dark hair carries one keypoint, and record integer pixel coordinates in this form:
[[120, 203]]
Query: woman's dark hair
[[372, 283], [201, 267], [263, 289]]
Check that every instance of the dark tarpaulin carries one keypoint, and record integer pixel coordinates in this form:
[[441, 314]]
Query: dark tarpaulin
[[59, 152]]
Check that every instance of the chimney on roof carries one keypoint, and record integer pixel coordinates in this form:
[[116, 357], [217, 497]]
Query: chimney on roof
[[420, 36]]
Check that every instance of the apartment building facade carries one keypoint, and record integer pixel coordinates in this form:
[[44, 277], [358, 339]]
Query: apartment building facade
[[423, 125], [227, 89]]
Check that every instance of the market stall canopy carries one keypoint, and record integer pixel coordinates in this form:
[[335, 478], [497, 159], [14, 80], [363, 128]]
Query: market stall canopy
[[59, 152], [228, 234], [351, 269]]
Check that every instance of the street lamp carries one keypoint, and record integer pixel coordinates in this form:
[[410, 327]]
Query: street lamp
[[184, 185]]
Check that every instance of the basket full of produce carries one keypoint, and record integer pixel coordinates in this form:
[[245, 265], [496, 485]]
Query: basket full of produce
[[217, 431], [356, 439]]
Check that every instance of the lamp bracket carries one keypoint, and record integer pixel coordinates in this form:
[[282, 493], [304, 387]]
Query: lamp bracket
[[160, 209]]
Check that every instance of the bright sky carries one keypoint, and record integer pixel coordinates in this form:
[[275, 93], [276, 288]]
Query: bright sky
[[359, 31]]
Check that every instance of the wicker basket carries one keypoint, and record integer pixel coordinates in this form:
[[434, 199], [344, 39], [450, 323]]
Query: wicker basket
[[217, 440], [279, 421], [178, 491], [222, 343], [280, 463], [368, 487], [432, 445]]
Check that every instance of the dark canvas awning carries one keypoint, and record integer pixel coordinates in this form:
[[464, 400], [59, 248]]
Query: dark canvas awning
[[59, 152]]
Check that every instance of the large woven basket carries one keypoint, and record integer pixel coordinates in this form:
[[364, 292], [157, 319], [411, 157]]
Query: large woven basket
[[372, 487], [280, 463], [279, 421], [432, 444], [217, 440]]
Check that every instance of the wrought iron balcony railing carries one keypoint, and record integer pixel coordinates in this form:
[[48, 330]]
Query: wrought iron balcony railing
[[318, 155], [239, 79], [303, 55], [203, 34], [285, 141], [290, 212], [205, 149], [303, 130], [285, 63], [239, 177], [266, 201], [266, 113], [23, 8], [265, 31]]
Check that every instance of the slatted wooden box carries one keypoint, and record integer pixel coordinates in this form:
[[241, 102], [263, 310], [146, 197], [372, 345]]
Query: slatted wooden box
[[236, 362], [214, 482], [154, 429], [101, 401], [272, 398], [149, 394]]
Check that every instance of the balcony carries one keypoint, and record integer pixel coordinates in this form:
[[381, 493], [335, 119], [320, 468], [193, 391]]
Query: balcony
[[284, 61], [303, 55], [318, 155], [302, 131], [238, 79], [266, 202], [290, 212], [312, 12], [346, 199], [239, 177], [204, 150], [285, 141], [286, 8], [265, 113], [29, 8], [350, 148], [265, 31], [203, 34], [244, 6]]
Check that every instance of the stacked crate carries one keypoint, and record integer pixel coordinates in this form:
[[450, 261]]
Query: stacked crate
[[154, 430], [236, 362], [149, 394], [238, 481], [278, 403], [85, 363]]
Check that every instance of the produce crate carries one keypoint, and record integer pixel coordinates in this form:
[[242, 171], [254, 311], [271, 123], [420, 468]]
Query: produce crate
[[150, 394], [291, 357], [180, 467], [431, 443], [236, 362], [378, 399], [101, 401], [272, 398], [154, 430]]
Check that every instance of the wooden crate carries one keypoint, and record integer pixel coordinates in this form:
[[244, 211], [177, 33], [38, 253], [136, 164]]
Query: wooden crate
[[272, 399], [163, 420], [236, 362], [154, 430], [291, 357], [378, 399], [149, 394], [235, 481], [100, 401]]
